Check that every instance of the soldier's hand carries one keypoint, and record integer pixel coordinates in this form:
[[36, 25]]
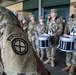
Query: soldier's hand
[[65, 35], [30, 35], [24, 28], [52, 35], [44, 33]]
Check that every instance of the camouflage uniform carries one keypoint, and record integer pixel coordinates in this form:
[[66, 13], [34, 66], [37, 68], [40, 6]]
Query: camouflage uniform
[[25, 27], [40, 29], [70, 56], [67, 31], [31, 30], [17, 54], [54, 39], [56, 27]]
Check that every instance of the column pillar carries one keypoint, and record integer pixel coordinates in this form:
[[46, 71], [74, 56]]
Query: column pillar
[[40, 7]]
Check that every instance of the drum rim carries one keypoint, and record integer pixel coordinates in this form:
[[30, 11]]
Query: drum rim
[[65, 50], [68, 36], [44, 47], [44, 37], [64, 38]]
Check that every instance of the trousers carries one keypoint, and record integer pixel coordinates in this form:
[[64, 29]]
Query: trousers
[[51, 52]]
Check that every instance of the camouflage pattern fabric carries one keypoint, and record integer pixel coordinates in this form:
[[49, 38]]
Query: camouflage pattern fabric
[[40, 29], [31, 31], [56, 27], [16, 50], [70, 57]]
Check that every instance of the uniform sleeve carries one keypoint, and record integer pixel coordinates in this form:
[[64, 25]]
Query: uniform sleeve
[[1, 38], [43, 29], [34, 30], [66, 29], [28, 31], [25, 25], [68, 26], [46, 30], [60, 28]]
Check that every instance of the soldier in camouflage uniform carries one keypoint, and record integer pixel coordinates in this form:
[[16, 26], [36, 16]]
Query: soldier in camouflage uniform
[[70, 56], [29, 16], [17, 54], [31, 31], [55, 28], [40, 29], [24, 25]]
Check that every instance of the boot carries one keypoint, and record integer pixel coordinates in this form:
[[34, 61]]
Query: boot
[[47, 61], [66, 68], [71, 71], [52, 63], [42, 56]]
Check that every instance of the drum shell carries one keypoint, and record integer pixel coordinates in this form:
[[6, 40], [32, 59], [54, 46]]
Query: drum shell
[[44, 41], [67, 38], [67, 43]]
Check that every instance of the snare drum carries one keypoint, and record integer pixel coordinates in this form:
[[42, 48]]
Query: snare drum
[[67, 43], [44, 41]]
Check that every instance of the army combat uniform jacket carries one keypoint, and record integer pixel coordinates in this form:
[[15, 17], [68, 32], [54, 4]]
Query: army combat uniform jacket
[[31, 28], [70, 56], [68, 26], [40, 29], [25, 27], [56, 27], [16, 50]]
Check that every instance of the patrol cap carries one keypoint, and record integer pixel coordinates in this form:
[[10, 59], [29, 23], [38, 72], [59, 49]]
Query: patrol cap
[[32, 15], [24, 18], [54, 10], [74, 5], [41, 17]]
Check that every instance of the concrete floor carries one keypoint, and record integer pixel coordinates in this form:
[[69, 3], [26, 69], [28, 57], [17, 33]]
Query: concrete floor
[[60, 63]]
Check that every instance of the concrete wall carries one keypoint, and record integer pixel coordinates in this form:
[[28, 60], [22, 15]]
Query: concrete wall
[[72, 0], [23, 14], [71, 6], [18, 7], [20, 15]]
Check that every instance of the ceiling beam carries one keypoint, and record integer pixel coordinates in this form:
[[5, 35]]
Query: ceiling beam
[[7, 0]]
